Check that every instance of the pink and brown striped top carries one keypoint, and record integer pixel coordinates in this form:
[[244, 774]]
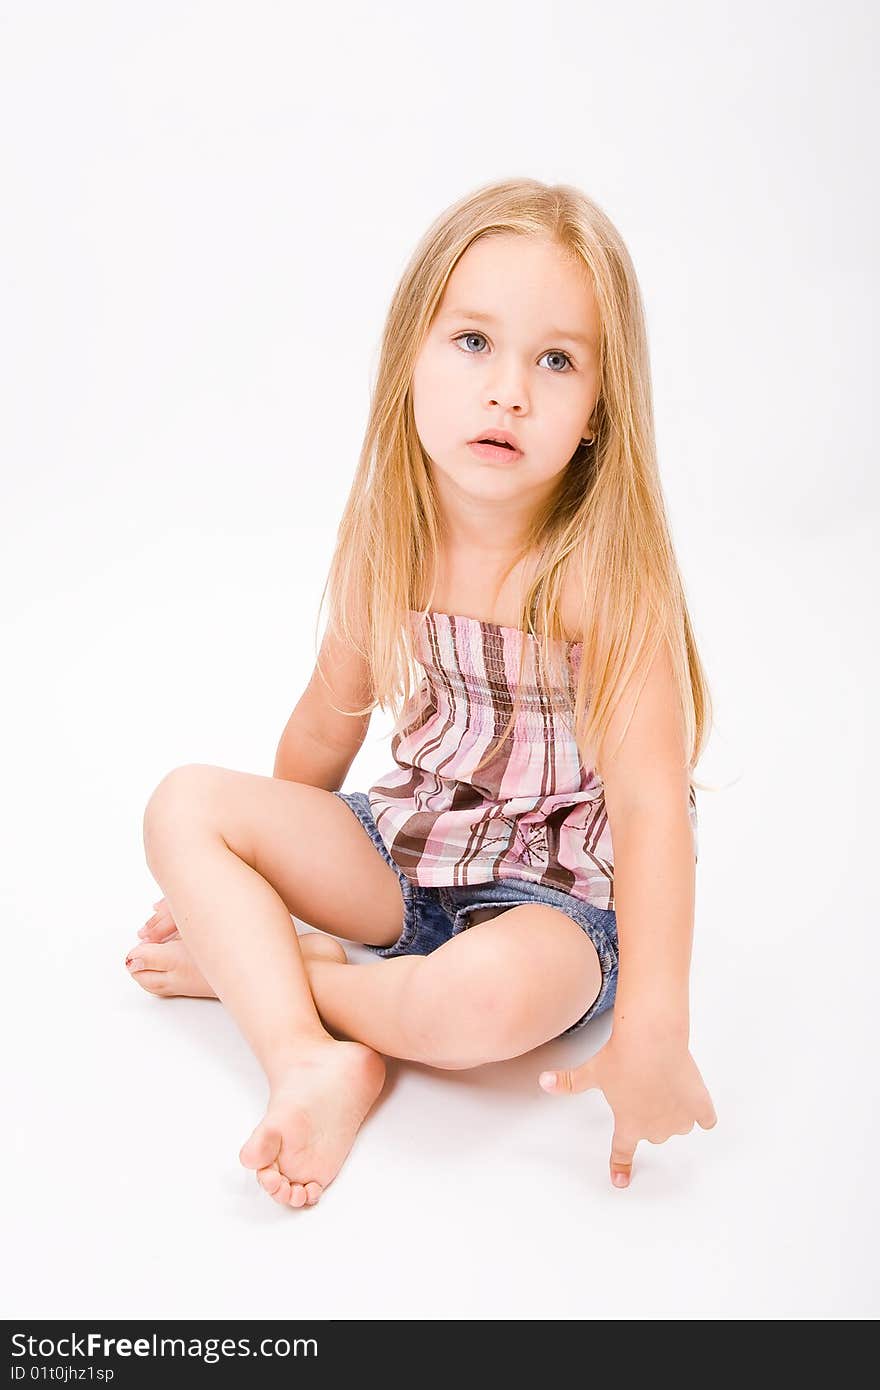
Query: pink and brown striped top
[[532, 811]]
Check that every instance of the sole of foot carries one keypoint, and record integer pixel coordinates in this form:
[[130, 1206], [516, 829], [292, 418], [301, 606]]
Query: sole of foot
[[312, 1119], [315, 1110]]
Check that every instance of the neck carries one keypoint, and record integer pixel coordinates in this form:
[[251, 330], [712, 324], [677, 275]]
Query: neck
[[495, 529]]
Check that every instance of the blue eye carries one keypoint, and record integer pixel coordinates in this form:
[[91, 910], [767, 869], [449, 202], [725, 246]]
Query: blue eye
[[551, 352]]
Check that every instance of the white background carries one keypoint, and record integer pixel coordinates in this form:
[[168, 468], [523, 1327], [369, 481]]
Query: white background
[[205, 210]]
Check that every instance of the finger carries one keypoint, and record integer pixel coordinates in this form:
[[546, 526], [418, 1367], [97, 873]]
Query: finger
[[569, 1081], [623, 1149]]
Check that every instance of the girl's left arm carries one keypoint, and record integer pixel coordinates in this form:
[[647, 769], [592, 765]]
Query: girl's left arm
[[646, 787], [645, 1069], [654, 886]]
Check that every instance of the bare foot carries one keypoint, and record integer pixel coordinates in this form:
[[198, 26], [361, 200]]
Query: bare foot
[[314, 1113], [169, 969]]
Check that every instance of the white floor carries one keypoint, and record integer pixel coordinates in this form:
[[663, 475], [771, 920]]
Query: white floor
[[471, 1194]]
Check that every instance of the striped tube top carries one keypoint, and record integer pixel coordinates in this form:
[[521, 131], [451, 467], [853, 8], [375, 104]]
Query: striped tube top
[[532, 811]]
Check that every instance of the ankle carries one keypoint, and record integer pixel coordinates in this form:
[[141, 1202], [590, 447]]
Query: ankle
[[289, 1059]]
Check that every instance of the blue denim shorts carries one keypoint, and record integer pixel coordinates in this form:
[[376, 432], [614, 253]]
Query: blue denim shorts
[[433, 915]]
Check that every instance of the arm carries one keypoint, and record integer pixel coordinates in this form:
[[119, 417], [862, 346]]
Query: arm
[[319, 744], [647, 783], [654, 902], [645, 1069], [302, 756]]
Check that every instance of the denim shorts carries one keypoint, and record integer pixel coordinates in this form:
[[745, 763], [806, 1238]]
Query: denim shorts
[[433, 915]]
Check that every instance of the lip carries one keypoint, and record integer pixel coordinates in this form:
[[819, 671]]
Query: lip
[[495, 453], [499, 434]]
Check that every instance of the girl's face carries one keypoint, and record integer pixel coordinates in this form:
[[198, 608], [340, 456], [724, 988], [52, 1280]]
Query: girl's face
[[513, 346]]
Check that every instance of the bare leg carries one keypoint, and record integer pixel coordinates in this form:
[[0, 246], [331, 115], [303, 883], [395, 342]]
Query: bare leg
[[478, 998], [474, 1000], [369, 1005], [240, 934]]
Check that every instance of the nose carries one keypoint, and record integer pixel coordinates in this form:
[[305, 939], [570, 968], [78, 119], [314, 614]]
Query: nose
[[507, 389], [507, 400]]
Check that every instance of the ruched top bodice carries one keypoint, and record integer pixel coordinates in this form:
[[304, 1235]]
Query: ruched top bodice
[[532, 810]]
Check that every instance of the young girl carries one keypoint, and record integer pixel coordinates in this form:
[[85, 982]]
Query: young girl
[[529, 861]]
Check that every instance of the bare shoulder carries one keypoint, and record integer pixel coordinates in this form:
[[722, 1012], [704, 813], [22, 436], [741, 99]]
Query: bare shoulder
[[571, 607], [642, 760]]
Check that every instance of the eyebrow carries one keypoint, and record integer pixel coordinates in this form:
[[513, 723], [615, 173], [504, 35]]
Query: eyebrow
[[580, 338]]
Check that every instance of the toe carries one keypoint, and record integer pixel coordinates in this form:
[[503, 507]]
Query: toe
[[298, 1195], [281, 1195], [261, 1149], [313, 1190], [149, 965], [149, 956], [270, 1179], [273, 1181], [158, 929], [153, 981]]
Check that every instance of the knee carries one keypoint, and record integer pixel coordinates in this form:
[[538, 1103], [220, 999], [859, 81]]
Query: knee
[[460, 1020], [180, 799]]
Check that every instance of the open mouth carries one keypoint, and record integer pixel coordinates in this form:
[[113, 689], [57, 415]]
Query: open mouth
[[495, 450]]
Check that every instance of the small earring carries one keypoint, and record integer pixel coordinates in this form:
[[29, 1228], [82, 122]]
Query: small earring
[[590, 440]]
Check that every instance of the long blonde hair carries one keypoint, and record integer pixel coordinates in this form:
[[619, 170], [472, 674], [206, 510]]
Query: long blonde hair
[[607, 518]]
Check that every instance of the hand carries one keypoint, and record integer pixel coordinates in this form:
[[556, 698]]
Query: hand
[[653, 1087], [161, 926]]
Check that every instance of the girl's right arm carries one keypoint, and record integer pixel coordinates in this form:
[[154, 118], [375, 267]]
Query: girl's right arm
[[318, 745]]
